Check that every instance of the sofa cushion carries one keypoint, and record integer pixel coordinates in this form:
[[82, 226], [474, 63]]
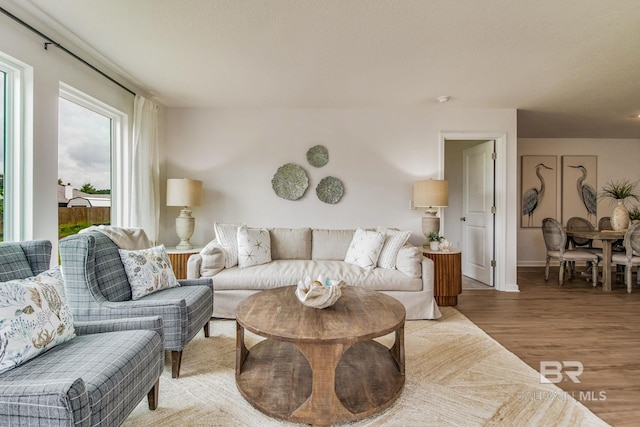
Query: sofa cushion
[[227, 237], [148, 270], [409, 260], [365, 248], [288, 272], [34, 317], [254, 246], [330, 244], [394, 240], [290, 243]]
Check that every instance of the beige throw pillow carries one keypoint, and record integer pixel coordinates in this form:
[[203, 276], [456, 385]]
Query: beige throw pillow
[[394, 240], [254, 246], [212, 259], [409, 260], [365, 248]]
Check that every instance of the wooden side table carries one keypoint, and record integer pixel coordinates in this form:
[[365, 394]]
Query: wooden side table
[[179, 258], [447, 280]]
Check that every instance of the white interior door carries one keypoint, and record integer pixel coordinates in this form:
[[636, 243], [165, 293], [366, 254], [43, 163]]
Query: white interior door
[[478, 218]]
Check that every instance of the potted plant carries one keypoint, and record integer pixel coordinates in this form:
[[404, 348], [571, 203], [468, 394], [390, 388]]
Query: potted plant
[[619, 192], [434, 240], [634, 214]]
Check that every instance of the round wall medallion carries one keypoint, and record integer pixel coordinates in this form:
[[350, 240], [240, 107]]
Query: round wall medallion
[[290, 181], [330, 190], [318, 156]]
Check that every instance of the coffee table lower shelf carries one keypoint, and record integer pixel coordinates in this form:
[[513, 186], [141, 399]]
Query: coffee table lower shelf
[[367, 380]]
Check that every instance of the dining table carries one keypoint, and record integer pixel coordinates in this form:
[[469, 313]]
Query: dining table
[[607, 237]]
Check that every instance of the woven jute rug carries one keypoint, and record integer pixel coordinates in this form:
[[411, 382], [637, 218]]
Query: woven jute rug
[[456, 375]]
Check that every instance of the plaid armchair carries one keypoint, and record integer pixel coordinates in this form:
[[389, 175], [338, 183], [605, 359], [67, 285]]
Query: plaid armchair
[[98, 288], [96, 378]]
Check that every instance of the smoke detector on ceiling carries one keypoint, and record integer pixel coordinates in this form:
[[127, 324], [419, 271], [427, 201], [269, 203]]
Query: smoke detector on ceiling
[[443, 99]]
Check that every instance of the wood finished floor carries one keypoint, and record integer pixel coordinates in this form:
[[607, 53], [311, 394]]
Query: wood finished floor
[[574, 322]]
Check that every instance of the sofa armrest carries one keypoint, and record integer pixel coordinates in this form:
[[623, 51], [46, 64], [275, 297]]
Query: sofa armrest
[[193, 266], [203, 281], [427, 273], [153, 323], [37, 402]]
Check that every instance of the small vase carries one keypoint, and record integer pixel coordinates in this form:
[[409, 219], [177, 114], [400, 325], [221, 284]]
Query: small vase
[[434, 246], [620, 217]]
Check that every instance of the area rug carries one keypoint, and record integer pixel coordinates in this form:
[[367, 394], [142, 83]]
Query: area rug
[[456, 375]]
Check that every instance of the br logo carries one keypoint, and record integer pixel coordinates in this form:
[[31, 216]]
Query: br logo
[[553, 371]]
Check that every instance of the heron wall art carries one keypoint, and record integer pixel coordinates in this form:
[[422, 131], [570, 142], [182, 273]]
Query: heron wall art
[[579, 184], [539, 190]]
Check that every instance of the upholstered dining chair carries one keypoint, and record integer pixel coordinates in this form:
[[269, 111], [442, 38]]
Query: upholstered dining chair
[[581, 224], [555, 239], [631, 256], [98, 288]]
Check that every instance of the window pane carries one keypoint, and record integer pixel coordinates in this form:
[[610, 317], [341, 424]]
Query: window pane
[[2, 151], [84, 168]]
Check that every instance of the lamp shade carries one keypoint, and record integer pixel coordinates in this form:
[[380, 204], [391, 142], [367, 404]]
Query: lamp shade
[[184, 192], [431, 193]]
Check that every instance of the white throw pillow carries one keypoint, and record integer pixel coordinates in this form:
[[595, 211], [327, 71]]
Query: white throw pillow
[[34, 317], [254, 246], [394, 240], [365, 248], [148, 270], [409, 260], [227, 237], [212, 259]]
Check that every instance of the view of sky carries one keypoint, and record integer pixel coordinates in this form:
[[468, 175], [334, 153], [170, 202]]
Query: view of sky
[[84, 146]]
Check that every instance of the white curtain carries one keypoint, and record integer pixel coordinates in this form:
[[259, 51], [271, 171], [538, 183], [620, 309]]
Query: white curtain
[[145, 186]]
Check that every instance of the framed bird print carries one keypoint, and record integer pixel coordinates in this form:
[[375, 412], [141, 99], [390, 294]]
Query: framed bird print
[[579, 188], [539, 194]]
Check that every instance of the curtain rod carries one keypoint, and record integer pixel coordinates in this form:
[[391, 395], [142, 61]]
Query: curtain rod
[[50, 41]]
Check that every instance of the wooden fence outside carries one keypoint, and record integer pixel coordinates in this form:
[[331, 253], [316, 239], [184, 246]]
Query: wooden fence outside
[[77, 214]]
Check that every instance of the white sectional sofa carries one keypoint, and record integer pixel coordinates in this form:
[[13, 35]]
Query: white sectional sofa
[[290, 254]]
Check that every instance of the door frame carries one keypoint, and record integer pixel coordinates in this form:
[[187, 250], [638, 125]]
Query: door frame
[[500, 185]]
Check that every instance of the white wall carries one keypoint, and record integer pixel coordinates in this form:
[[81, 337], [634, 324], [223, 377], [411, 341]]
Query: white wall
[[378, 154], [617, 159]]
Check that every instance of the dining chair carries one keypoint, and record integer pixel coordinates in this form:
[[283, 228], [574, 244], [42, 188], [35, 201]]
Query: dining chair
[[631, 256], [555, 239]]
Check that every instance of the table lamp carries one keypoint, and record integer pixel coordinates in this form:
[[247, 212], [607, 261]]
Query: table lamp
[[430, 194], [184, 192]]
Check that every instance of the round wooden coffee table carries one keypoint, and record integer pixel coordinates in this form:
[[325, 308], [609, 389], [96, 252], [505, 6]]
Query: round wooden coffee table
[[316, 366]]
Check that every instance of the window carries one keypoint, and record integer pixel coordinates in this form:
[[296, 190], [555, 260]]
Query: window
[[16, 79], [2, 120], [89, 134]]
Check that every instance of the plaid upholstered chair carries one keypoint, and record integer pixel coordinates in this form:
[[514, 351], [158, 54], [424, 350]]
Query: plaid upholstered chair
[[96, 375], [98, 288]]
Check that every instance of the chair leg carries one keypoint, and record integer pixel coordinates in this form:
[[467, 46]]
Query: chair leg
[[627, 277], [206, 329], [594, 272], [152, 396], [561, 273], [546, 270], [176, 360]]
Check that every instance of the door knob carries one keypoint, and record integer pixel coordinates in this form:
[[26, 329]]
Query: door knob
[[463, 218]]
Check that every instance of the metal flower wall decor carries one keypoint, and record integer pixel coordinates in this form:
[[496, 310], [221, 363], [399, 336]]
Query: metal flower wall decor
[[291, 181]]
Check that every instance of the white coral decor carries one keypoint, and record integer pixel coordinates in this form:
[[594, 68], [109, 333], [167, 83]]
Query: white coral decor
[[320, 293]]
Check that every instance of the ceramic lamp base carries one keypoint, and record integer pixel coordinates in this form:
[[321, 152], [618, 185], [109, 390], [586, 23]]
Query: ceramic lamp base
[[185, 225]]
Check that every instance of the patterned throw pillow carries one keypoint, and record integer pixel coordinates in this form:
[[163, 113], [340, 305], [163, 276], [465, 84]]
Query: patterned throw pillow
[[227, 237], [394, 240], [365, 248], [34, 317], [148, 270], [254, 246]]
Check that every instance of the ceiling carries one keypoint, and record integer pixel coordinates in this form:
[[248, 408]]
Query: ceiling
[[570, 67]]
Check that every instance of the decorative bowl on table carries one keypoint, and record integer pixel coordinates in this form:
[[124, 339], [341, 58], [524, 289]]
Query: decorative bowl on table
[[320, 293]]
